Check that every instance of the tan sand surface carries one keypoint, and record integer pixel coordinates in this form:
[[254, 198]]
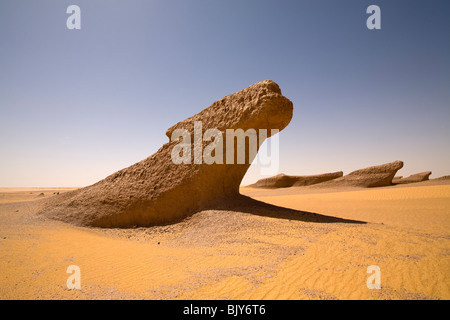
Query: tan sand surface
[[224, 254]]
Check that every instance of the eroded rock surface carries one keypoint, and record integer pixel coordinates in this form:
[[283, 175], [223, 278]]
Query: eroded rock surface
[[418, 177], [156, 190], [286, 181], [376, 176]]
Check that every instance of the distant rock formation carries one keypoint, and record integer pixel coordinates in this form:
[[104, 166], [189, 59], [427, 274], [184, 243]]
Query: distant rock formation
[[156, 190], [443, 178], [377, 176], [286, 181], [418, 177]]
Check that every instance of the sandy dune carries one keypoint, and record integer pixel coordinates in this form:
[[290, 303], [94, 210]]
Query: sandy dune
[[247, 252]]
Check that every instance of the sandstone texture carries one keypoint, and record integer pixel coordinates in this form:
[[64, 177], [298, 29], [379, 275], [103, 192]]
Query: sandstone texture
[[286, 181], [158, 191], [377, 176], [418, 177]]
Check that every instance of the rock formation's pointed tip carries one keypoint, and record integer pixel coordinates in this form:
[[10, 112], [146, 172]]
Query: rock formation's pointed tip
[[397, 163]]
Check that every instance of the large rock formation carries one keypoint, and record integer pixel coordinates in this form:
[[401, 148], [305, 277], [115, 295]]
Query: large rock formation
[[156, 190], [418, 177], [377, 176], [286, 181]]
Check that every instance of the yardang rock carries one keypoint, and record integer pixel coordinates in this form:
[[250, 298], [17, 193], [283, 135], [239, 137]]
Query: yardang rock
[[286, 181], [155, 190], [376, 176], [418, 177]]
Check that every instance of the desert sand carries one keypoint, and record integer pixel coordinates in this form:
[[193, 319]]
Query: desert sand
[[165, 230], [318, 250]]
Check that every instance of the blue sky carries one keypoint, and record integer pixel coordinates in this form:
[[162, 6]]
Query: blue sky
[[78, 105]]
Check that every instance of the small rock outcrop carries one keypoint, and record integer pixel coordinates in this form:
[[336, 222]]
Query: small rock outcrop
[[443, 178], [286, 181], [377, 176], [157, 190], [418, 177]]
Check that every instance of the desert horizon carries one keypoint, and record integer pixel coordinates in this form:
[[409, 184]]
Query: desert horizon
[[308, 243], [220, 282]]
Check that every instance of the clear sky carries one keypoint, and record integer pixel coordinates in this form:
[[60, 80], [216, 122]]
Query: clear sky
[[78, 105]]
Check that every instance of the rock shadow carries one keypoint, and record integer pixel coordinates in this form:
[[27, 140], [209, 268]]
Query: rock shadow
[[246, 204]]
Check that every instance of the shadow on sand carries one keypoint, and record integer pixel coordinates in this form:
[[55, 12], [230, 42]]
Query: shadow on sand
[[248, 205]]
